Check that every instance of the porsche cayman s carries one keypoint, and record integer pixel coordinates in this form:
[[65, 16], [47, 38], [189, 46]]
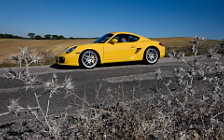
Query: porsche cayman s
[[113, 47]]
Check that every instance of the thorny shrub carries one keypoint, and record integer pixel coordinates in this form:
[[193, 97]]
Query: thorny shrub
[[52, 86], [187, 104]]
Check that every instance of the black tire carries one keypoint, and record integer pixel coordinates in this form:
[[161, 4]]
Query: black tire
[[88, 59], [151, 55]]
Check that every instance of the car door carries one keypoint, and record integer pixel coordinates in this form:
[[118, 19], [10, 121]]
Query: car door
[[124, 49]]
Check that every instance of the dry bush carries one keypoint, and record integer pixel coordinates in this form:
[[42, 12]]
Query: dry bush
[[49, 57], [39, 57], [27, 58], [220, 49], [192, 104], [186, 46]]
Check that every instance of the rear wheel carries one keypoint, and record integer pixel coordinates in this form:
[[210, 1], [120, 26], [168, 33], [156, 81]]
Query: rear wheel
[[151, 55], [89, 59]]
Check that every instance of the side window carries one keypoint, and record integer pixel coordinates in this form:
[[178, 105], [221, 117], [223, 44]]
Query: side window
[[126, 38], [132, 38], [121, 38]]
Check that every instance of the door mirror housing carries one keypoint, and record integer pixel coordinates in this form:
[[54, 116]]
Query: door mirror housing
[[113, 41]]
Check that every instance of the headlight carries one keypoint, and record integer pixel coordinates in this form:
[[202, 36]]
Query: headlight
[[71, 49]]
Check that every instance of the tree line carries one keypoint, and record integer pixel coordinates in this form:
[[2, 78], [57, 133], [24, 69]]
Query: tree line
[[9, 36], [47, 36], [39, 37]]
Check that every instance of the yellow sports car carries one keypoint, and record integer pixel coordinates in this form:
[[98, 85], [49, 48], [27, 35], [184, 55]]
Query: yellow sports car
[[113, 47]]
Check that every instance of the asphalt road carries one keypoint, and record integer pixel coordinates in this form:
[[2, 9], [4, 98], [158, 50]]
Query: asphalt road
[[108, 82]]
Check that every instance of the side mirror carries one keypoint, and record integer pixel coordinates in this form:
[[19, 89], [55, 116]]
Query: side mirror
[[113, 41]]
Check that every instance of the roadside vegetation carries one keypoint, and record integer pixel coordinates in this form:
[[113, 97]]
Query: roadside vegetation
[[186, 105], [11, 47], [184, 44]]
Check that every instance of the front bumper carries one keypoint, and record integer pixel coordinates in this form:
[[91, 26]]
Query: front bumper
[[67, 60]]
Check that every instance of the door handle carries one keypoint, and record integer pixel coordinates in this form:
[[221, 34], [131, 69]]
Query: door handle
[[132, 46]]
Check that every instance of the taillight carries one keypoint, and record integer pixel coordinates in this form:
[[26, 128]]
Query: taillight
[[160, 44]]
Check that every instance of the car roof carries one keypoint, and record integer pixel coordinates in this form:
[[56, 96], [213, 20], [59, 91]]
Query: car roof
[[129, 33], [122, 33]]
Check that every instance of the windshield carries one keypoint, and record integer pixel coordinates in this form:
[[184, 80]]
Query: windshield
[[104, 38]]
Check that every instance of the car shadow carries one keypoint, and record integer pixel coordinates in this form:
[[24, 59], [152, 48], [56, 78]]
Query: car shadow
[[122, 64], [118, 64], [64, 67]]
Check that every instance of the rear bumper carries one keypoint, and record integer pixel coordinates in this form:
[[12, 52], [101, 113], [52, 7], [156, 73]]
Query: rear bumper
[[67, 60]]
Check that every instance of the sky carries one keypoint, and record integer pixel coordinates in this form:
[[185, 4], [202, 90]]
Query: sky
[[93, 18]]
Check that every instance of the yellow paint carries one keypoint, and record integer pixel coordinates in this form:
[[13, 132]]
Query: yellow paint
[[112, 51]]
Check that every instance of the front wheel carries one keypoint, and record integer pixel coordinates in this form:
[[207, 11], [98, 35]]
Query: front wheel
[[89, 59], [151, 55]]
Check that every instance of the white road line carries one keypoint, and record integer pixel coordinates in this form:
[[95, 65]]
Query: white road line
[[136, 77]]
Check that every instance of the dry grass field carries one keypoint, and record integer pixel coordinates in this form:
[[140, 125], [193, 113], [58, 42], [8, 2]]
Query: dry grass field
[[184, 44], [10, 47]]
